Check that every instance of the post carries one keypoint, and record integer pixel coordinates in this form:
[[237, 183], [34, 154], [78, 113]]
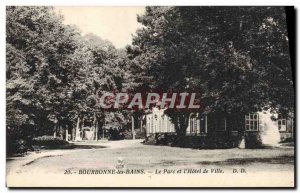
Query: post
[[67, 135], [55, 127], [132, 127]]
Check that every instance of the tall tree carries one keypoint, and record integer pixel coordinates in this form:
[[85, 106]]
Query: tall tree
[[228, 54], [37, 77]]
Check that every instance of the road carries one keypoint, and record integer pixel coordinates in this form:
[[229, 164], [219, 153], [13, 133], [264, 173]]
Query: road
[[128, 154]]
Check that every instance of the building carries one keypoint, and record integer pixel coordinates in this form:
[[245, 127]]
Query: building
[[265, 127]]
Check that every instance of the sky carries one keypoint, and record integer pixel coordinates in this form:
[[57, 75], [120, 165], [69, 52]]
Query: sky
[[116, 24]]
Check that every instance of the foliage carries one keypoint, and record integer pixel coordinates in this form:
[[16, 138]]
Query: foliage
[[55, 75], [49, 142], [115, 134], [37, 77], [16, 143], [237, 58]]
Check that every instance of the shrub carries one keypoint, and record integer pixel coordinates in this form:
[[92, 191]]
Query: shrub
[[216, 140], [19, 146], [138, 134], [22, 146], [286, 140], [115, 134], [49, 142], [16, 142], [253, 140]]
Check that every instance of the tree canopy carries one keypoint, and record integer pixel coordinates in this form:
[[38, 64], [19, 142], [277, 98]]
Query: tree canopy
[[236, 58], [54, 74]]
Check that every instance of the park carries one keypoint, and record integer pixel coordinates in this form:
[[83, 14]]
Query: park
[[190, 90]]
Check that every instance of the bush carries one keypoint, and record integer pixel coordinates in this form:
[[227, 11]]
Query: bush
[[16, 142], [19, 146], [222, 140], [138, 134], [22, 146], [253, 140], [49, 142], [115, 134], [216, 140], [287, 140]]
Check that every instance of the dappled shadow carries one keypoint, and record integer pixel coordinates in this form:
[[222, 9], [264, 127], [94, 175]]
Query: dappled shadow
[[244, 161], [35, 160], [88, 147], [10, 159]]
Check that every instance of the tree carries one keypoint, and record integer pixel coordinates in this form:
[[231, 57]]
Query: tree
[[36, 78], [228, 54]]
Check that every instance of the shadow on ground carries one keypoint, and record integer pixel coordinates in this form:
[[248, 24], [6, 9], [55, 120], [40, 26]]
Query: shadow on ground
[[87, 147], [245, 161]]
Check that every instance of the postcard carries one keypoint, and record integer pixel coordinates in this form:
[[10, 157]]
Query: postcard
[[150, 97]]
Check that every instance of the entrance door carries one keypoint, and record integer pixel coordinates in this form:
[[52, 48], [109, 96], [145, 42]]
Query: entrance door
[[282, 124]]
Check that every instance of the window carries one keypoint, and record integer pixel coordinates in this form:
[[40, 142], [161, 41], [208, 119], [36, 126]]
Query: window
[[282, 124], [191, 125], [252, 122], [195, 125]]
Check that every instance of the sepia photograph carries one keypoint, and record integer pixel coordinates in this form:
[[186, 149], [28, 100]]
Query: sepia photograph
[[150, 96]]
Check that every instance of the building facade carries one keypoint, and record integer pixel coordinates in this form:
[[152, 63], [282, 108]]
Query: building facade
[[268, 127]]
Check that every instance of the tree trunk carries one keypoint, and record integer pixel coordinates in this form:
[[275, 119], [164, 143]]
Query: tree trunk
[[132, 128], [77, 131], [99, 127], [73, 132], [142, 123], [96, 130], [95, 126], [183, 124]]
